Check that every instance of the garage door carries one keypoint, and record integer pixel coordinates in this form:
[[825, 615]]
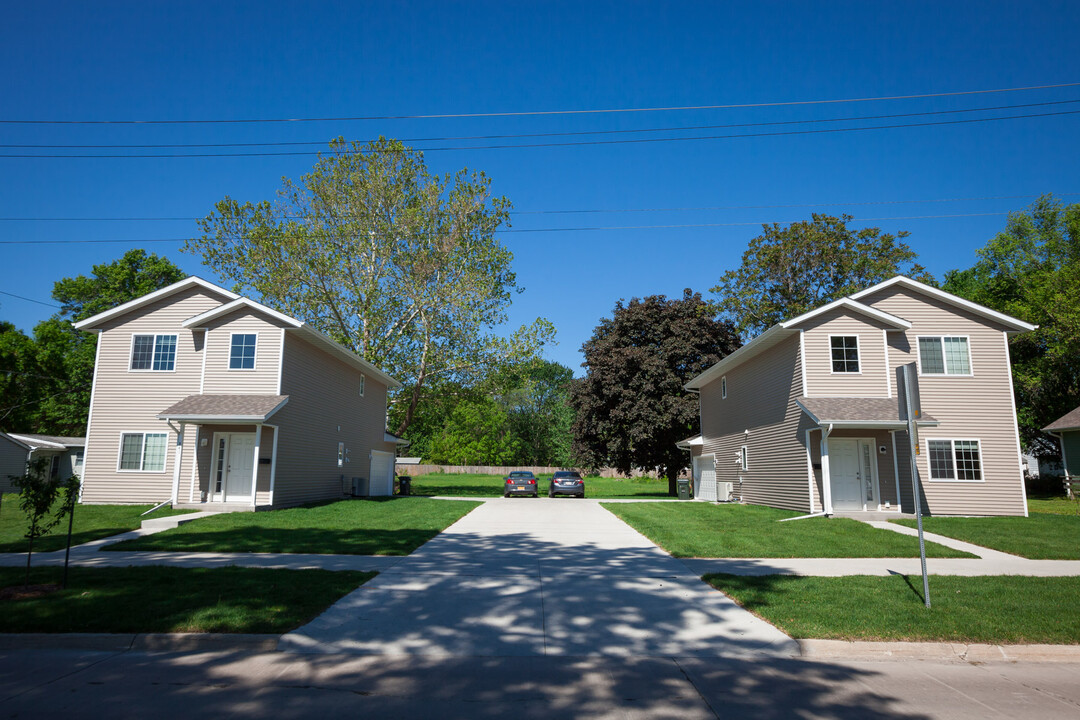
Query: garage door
[[382, 473], [705, 478]]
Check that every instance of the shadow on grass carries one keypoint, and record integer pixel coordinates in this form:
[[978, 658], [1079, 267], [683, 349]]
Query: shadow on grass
[[359, 541], [911, 585]]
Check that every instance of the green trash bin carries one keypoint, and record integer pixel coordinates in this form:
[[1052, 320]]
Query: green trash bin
[[684, 488]]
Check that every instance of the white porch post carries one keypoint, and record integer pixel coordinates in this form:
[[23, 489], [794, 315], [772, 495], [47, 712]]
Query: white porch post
[[896, 472], [255, 465], [176, 462], [826, 477], [273, 465], [194, 464]]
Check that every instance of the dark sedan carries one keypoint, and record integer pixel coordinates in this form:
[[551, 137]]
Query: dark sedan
[[520, 482], [567, 482]]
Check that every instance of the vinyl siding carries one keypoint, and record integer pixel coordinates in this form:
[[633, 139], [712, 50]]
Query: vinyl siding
[[976, 407], [1070, 442], [870, 381], [12, 462], [125, 401], [324, 408], [219, 379], [761, 396]]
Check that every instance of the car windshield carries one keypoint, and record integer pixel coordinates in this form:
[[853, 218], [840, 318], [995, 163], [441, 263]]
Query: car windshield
[[521, 474]]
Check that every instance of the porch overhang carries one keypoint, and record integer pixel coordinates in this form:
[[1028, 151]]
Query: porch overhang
[[858, 413], [224, 409], [690, 443]]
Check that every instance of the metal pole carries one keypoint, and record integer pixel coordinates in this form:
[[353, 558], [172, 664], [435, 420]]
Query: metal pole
[[912, 452]]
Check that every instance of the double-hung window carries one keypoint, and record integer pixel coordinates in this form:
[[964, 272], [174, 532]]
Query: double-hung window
[[955, 460], [944, 356], [153, 352], [845, 353], [143, 452], [242, 351]]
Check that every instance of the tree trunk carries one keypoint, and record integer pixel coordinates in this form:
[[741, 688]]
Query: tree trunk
[[29, 554]]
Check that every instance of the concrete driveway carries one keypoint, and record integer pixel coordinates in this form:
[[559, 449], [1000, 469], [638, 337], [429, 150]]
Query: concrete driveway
[[529, 577]]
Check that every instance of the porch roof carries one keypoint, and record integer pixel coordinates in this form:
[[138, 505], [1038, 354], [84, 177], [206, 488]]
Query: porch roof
[[858, 412], [224, 408]]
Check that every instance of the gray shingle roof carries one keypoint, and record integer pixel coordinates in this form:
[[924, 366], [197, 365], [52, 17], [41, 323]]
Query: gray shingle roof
[[30, 439], [856, 409], [1068, 421], [240, 407]]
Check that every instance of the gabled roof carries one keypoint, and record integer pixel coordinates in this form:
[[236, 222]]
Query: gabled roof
[[849, 304], [1015, 324], [18, 442], [92, 322], [50, 442], [770, 338], [1068, 421], [241, 302], [692, 442]]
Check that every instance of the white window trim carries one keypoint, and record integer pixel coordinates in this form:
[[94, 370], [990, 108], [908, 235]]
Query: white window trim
[[341, 454], [952, 447], [744, 459], [723, 387], [255, 359], [155, 335], [858, 355], [363, 383], [941, 338], [142, 452]]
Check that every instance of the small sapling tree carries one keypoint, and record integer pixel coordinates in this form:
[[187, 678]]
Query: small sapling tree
[[38, 492]]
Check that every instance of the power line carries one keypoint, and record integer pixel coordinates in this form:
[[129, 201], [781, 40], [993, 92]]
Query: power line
[[531, 230], [675, 128], [523, 113], [39, 302], [582, 211], [557, 144]]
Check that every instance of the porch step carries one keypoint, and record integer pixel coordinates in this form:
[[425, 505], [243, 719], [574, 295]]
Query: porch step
[[215, 507]]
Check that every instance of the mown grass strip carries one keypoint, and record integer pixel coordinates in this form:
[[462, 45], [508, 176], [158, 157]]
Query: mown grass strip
[[166, 599], [996, 610], [370, 526], [702, 530], [468, 485], [1040, 536]]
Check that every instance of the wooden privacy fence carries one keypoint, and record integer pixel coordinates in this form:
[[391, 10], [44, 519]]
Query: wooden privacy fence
[[414, 470]]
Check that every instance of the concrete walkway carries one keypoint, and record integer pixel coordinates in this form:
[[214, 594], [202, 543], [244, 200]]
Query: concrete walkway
[[527, 578]]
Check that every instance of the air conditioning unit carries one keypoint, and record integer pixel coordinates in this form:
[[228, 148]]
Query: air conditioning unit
[[360, 487], [723, 491]]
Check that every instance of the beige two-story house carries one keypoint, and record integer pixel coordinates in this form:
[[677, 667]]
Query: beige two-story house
[[807, 416], [201, 396]]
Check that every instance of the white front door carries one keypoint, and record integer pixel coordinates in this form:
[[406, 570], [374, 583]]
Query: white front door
[[238, 466], [705, 478], [844, 474]]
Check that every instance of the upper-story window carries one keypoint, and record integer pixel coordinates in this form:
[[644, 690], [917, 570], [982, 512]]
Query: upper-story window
[[845, 353], [723, 387], [363, 381], [153, 352], [944, 356], [242, 351]]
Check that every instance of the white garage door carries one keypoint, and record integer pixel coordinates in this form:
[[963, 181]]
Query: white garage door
[[705, 478], [382, 473]]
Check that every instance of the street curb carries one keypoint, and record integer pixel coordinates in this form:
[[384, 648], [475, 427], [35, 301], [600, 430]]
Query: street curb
[[941, 652], [141, 642]]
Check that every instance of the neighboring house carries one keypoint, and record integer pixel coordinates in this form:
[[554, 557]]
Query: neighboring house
[[203, 396], [1067, 430], [65, 456], [806, 415]]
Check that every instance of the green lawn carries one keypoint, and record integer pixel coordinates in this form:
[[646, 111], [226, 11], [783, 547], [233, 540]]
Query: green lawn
[[998, 610], [743, 531], [1040, 536], [165, 599], [92, 522], [372, 526], [465, 485], [1054, 505]]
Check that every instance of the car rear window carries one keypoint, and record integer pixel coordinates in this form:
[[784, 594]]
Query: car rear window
[[521, 474], [567, 474]]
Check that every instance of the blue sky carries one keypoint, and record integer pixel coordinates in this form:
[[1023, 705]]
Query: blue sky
[[244, 60]]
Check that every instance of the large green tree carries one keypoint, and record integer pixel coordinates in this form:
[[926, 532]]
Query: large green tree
[[20, 381], [536, 397], [631, 408], [398, 264], [1031, 270], [787, 271], [59, 367], [476, 433]]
